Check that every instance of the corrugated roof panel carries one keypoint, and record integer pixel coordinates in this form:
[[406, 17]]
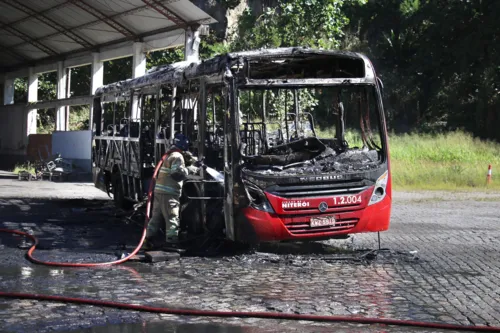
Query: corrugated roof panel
[[110, 7], [31, 51], [62, 44], [132, 15], [100, 33], [7, 57], [138, 3], [9, 14], [147, 20], [9, 39], [188, 11], [71, 16], [40, 5], [35, 29]]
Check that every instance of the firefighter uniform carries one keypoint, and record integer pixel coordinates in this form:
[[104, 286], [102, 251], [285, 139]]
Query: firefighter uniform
[[167, 193]]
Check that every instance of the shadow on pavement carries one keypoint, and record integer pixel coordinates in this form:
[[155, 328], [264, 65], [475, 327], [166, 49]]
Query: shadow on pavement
[[72, 228]]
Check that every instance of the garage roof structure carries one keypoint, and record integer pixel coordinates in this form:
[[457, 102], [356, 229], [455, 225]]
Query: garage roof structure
[[35, 32], [40, 36]]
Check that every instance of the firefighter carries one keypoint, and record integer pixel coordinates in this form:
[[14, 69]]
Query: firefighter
[[178, 163]]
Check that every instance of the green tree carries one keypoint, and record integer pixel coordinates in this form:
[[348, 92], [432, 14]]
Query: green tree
[[163, 57], [313, 23], [438, 60]]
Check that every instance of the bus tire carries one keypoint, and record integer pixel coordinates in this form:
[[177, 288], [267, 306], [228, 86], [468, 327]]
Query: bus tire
[[118, 196], [190, 212]]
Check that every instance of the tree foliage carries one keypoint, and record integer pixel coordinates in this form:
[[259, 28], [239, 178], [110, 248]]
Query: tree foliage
[[314, 23], [162, 57], [438, 59]]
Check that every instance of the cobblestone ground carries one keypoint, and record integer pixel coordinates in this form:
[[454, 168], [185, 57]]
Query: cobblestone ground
[[439, 263]]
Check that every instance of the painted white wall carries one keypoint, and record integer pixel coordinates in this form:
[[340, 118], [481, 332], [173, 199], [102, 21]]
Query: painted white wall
[[62, 76], [8, 92], [13, 138], [32, 97], [73, 144]]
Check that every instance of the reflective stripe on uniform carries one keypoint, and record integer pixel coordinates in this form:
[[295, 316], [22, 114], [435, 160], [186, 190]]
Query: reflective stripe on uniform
[[167, 189], [169, 170], [165, 184], [165, 170]]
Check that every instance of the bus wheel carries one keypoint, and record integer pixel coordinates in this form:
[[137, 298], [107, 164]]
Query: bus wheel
[[118, 195], [190, 211]]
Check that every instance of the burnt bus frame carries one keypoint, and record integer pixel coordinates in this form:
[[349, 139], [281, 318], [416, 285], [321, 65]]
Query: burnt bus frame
[[118, 149], [303, 83], [221, 71], [360, 178]]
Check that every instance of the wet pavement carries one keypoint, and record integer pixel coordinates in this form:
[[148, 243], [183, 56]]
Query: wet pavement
[[439, 263]]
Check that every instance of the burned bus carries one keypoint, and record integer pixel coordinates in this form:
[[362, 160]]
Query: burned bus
[[294, 138]]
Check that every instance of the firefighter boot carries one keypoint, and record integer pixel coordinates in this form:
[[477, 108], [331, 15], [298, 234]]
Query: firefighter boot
[[172, 236], [173, 244], [148, 245], [152, 243]]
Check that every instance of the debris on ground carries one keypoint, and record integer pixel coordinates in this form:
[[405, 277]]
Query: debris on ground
[[54, 167], [159, 256]]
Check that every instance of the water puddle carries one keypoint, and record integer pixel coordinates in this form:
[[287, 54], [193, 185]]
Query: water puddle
[[163, 327], [263, 327]]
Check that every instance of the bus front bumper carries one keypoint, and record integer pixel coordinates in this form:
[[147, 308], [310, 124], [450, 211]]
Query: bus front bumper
[[269, 227]]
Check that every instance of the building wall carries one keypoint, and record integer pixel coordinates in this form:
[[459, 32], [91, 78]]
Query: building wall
[[13, 129], [39, 145], [75, 146], [16, 147], [13, 140]]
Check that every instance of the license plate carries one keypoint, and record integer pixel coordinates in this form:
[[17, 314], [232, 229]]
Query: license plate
[[322, 221]]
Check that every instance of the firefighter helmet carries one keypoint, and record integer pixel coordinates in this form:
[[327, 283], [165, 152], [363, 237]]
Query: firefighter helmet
[[181, 142]]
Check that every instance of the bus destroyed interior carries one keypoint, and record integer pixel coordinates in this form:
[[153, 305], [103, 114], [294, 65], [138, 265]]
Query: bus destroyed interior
[[310, 131], [290, 137]]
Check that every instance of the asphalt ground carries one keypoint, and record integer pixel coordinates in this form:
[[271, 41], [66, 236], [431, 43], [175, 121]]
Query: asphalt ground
[[439, 262]]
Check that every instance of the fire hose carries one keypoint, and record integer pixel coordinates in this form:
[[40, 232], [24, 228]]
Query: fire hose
[[207, 313], [30, 257]]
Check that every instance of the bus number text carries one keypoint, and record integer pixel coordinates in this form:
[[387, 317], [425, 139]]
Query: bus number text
[[347, 200]]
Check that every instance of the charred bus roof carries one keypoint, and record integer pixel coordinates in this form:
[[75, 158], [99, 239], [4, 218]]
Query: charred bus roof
[[257, 67]]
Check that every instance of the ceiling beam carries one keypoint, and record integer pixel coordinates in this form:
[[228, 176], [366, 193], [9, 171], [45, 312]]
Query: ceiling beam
[[26, 18], [89, 24], [29, 40], [162, 9], [15, 54], [48, 21], [103, 17], [113, 44]]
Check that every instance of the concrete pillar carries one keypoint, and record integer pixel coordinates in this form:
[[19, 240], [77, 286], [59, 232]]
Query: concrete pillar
[[96, 81], [61, 94], [8, 91], [192, 45], [68, 95], [32, 97], [97, 72], [139, 60], [139, 69]]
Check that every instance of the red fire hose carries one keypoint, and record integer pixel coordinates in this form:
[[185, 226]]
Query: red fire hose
[[67, 264], [206, 313], [263, 315]]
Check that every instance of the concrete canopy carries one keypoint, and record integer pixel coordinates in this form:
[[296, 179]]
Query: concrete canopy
[[42, 32]]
